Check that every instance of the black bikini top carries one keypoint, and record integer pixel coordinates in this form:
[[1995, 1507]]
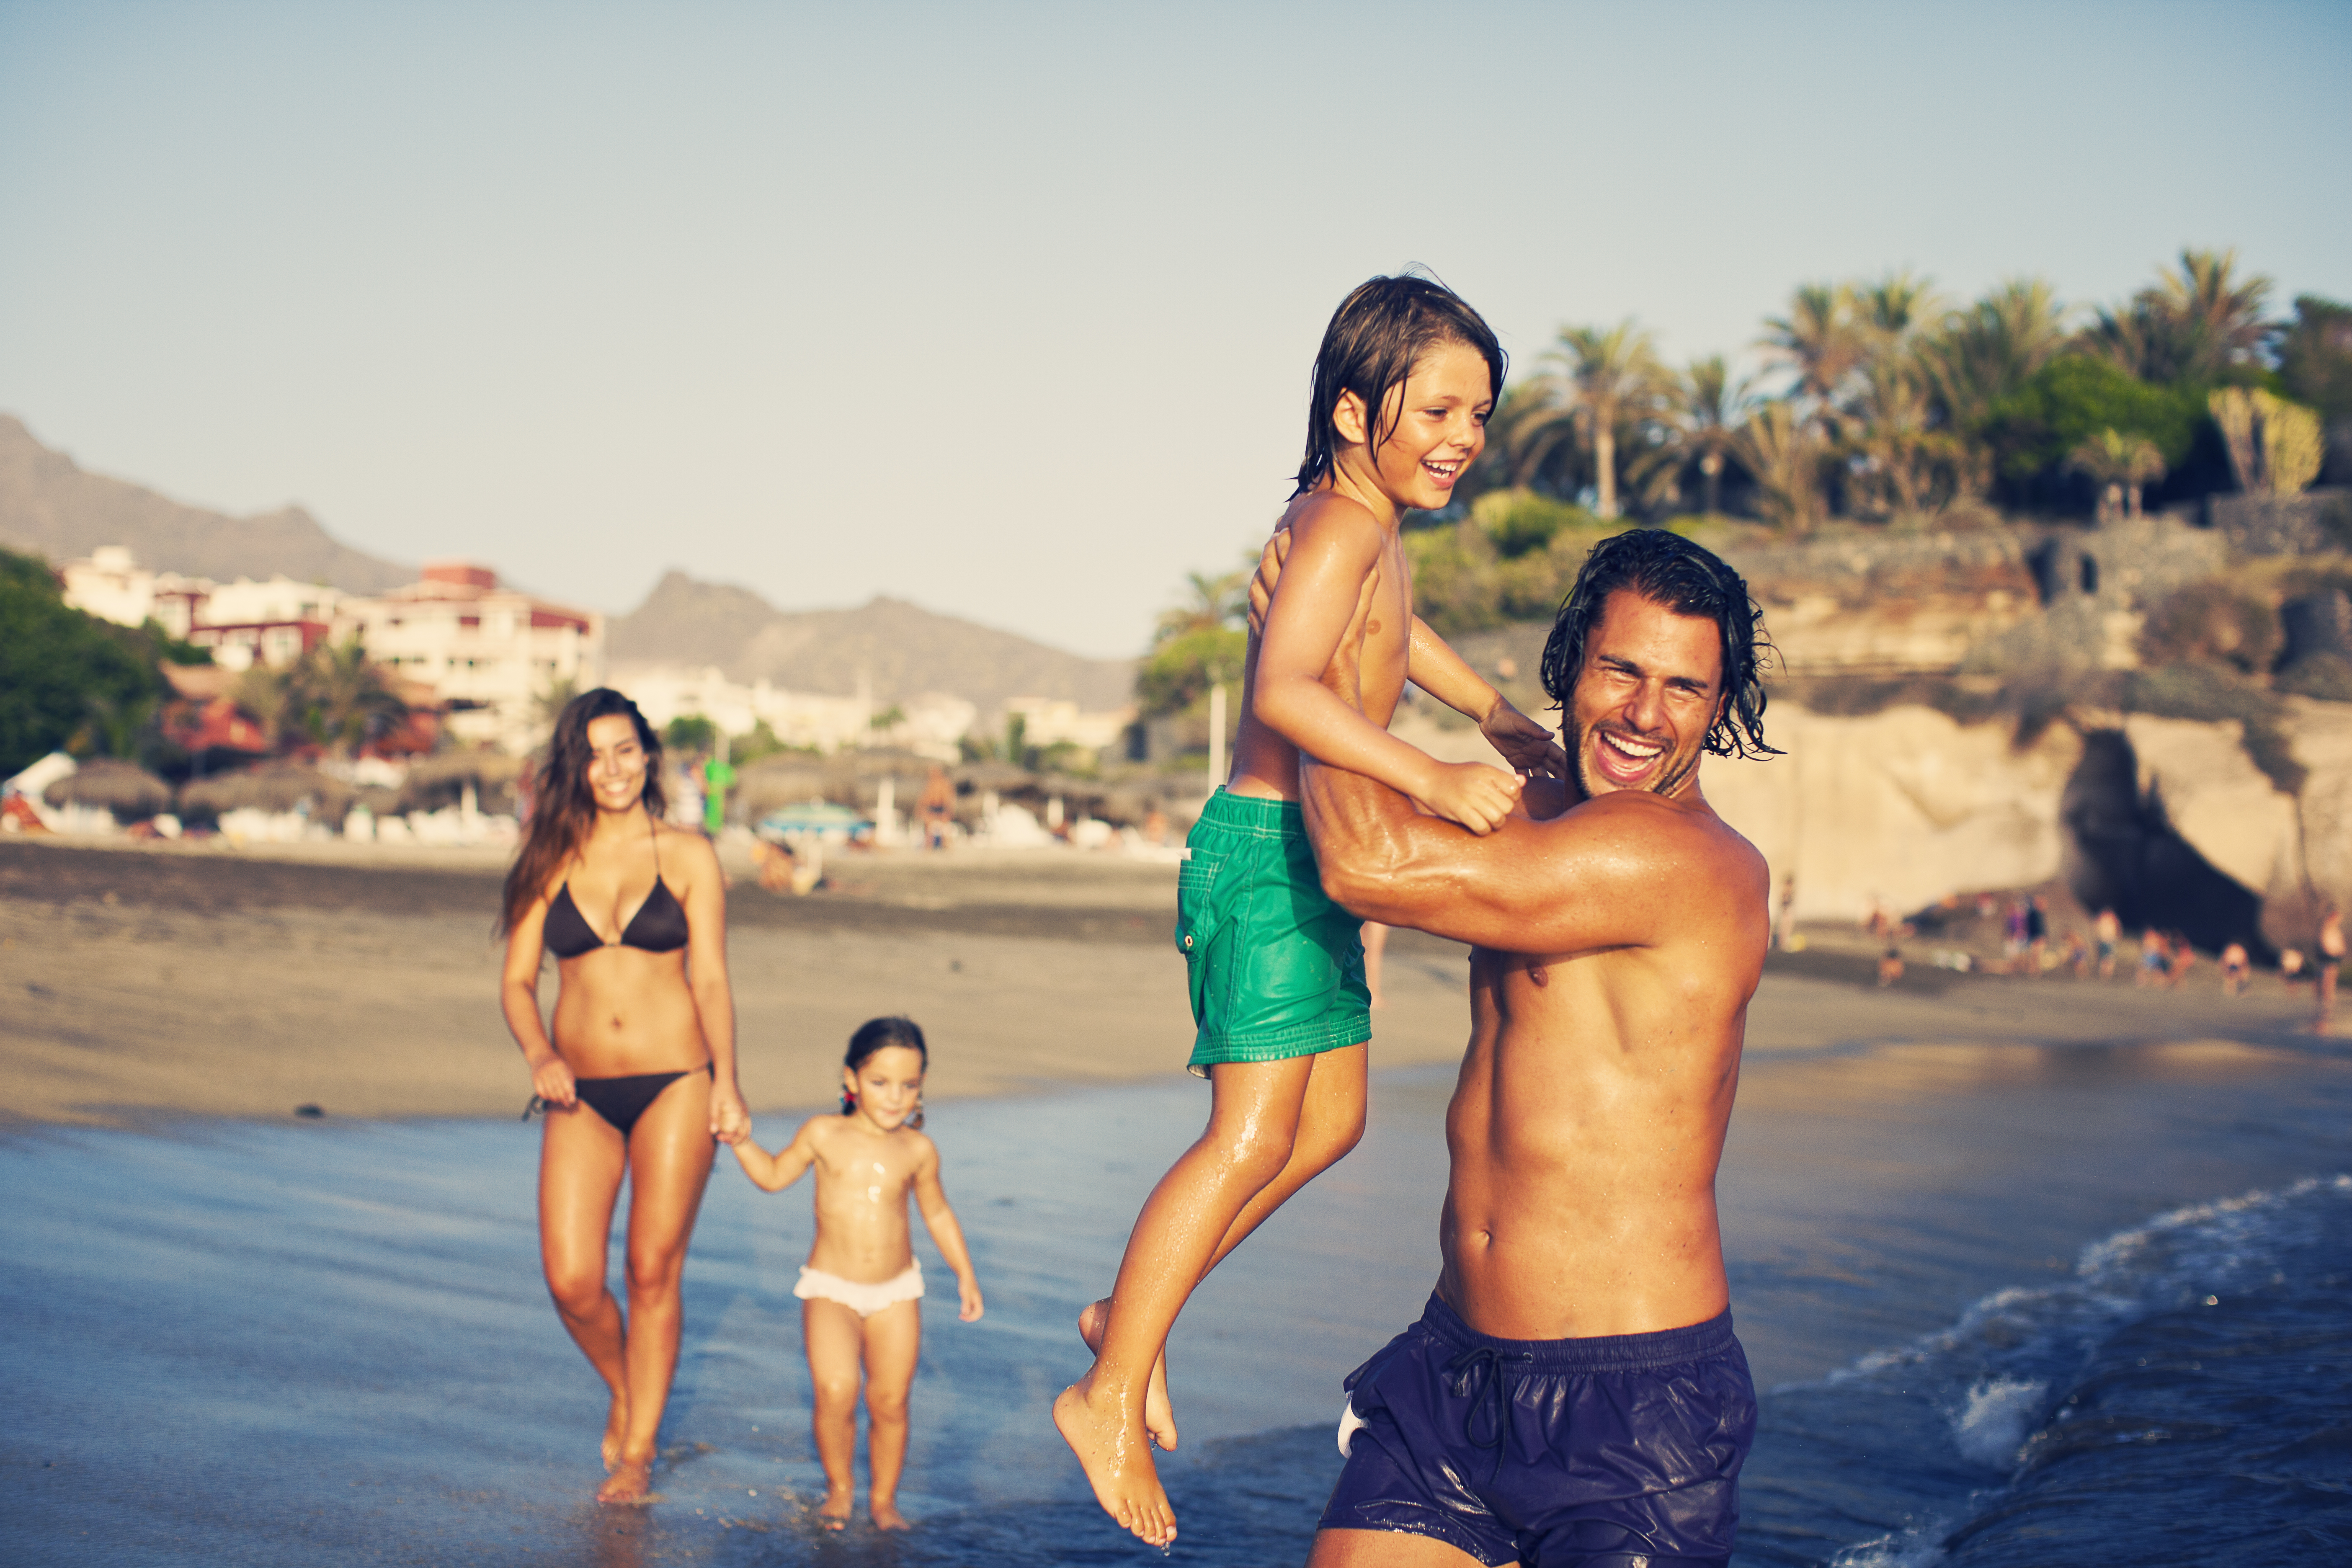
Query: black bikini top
[[658, 926]]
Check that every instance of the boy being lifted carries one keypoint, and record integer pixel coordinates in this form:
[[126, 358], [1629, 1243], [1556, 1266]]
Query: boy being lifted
[[1403, 384]]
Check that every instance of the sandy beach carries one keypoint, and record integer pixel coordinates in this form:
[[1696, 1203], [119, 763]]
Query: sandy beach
[[157, 984]]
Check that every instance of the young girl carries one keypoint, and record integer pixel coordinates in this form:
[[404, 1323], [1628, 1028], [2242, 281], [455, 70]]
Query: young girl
[[859, 1288]]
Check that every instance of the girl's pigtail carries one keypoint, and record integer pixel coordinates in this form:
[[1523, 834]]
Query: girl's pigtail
[[916, 1121], [848, 1103]]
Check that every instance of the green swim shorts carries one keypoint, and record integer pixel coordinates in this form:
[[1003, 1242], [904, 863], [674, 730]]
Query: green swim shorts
[[1276, 968]]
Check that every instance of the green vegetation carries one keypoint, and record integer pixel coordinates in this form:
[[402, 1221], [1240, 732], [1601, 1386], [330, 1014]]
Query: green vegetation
[[70, 681], [1885, 402], [1200, 644], [691, 733]]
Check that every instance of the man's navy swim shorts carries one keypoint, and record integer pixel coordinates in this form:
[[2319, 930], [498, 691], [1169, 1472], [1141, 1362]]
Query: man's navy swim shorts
[[1621, 1452]]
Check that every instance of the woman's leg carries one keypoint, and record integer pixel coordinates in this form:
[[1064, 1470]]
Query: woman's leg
[[670, 1163], [581, 1161], [894, 1338], [1253, 1125], [836, 1343]]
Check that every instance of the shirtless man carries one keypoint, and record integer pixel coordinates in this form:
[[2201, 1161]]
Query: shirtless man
[[1573, 1392]]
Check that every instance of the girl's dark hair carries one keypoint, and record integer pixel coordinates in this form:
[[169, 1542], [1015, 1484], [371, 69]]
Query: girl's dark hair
[[880, 1034], [1690, 580], [1376, 337], [562, 806]]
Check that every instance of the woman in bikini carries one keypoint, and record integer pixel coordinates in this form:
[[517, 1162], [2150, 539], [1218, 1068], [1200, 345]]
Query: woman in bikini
[[638, 1074]]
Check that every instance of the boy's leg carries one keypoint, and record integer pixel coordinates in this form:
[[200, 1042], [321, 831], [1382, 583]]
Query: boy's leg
[[1330, 1123], [894, 1338], [836, 1344], [1252, 1123]]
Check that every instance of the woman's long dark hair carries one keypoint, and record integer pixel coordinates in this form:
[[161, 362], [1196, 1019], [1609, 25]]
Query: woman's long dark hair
[[563, 805], [1378, 334], [880, 1034]]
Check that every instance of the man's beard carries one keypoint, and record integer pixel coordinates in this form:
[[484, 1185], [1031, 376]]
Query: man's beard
[[1668, 780]]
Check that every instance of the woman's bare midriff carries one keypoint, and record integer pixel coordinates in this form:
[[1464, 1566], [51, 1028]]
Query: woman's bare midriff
[[621, 1012]]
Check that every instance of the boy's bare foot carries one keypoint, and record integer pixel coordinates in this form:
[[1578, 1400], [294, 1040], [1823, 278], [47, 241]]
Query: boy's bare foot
[[631, 1482], [886, 1516], [833, 1511], [616, 1428], [1116, 1454], [1158, 1414]]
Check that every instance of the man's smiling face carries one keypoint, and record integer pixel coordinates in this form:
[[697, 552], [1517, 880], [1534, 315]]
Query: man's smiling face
[[1650, 688]]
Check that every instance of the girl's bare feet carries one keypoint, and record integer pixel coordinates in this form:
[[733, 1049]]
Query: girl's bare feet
[[617, 1427], [833, 1511], [1158, 1414], [631, 1482], [887, 1515]]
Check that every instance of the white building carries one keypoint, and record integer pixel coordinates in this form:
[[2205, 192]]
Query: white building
[[245, 621], [109, 584], [929, 724], [1047, 721], [492, 654]]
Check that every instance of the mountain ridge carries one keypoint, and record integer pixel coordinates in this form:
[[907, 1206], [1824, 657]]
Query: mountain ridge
[[51, 505], [902, 650]]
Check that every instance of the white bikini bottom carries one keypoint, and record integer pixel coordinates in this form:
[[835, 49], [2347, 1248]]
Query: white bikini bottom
[[816, 1285]]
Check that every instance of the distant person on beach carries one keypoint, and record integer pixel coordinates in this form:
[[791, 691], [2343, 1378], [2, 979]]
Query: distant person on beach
[[2110, 934], [1784, 927], [1403, 383], [2155, 961], [1376, 947], [2237, 971], [2331, 960], [637, 1075], [1573, 1392], [861, 1286]]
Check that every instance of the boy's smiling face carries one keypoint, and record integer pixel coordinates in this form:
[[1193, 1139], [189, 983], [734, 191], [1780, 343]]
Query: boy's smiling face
[[1440, 426]]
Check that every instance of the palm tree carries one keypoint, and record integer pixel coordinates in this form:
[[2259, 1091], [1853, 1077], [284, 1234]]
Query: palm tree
[[2118, 462], [1820, 339], [1710, 406], [1784, 454], [1981, 354], [1612, 381], [1896, 308], [341, 696], [2190, 325], [1216, 603], [1899, 451]]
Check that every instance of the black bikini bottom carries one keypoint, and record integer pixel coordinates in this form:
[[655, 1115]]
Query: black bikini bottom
[[621, 1100]]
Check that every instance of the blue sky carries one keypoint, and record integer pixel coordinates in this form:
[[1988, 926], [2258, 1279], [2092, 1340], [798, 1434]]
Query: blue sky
[[1008, 309]]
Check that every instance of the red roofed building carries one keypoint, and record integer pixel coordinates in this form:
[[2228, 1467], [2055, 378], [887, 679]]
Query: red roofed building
[[490, 654]]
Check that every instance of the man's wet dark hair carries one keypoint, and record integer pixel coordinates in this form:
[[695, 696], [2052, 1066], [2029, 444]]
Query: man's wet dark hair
[[1690, 580], [1377, 336]]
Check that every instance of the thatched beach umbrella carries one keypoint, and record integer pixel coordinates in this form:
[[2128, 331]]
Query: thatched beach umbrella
[[441, 779], [270, 786], [126, 789]]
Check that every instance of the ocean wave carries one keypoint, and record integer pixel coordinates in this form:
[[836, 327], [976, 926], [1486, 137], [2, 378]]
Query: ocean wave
[[2205, 1342]]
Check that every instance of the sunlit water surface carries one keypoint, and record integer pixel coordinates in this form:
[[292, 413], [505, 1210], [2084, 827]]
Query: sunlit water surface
[[2011, 1305]]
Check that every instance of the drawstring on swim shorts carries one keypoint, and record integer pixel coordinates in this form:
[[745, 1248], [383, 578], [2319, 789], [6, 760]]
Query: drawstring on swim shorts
[[1480, 1374]]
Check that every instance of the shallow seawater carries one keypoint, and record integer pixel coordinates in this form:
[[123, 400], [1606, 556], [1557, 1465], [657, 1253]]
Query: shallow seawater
[[1975, 1282]]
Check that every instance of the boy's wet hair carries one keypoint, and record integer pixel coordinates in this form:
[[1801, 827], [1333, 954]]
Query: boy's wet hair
[[1690, 580], [880, 1034], [1377, 336]]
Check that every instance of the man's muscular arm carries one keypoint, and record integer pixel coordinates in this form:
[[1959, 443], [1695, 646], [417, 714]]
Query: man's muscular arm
[[1589, 877]]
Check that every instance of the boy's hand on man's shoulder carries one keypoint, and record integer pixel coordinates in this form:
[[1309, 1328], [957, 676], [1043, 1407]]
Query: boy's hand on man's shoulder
[[1524, 743], [1473, 794]]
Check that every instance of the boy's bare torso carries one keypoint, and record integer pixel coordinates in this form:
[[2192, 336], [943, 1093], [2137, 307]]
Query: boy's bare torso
[[862, 1179], [1265, 764]]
